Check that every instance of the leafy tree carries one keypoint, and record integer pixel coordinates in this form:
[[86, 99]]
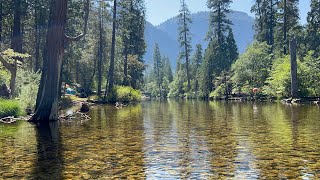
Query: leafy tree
[[310, 78], [185, 37], [252, 68], [9, 60]]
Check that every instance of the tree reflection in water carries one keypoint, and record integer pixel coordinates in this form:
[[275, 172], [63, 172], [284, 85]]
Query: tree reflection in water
[[49, 164]]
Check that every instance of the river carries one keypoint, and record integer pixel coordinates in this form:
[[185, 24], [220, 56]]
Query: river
[[169, 139]]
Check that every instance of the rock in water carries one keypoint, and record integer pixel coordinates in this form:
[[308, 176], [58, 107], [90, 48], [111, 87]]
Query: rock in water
[[84, 108]]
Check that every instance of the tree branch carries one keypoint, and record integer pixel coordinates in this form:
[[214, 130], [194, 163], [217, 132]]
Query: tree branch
[[6, 64], [86, 16]]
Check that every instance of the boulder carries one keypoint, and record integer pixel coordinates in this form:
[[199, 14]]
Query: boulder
[[84, 108], [4, 91]]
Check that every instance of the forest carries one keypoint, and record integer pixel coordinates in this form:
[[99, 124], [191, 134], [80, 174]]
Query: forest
[[95, 48]]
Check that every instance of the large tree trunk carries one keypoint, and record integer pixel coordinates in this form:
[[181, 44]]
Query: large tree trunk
[[285, 27], [37, 38], [186, 49], [125, 67], [16, 42], [271, 25], [100, 52], [113, 46], [47, 99], [47, 109], [294, 74], [1, 17]]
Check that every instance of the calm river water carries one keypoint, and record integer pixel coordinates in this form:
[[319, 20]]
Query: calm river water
[[169, 140]]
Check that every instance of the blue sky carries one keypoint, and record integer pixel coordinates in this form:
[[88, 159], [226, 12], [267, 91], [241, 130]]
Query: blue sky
[[160, 10]]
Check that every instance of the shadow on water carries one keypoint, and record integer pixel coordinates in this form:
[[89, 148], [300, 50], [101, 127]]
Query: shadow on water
[[49, 162]]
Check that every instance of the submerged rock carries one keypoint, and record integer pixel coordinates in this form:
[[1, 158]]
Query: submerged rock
[[84, 108]]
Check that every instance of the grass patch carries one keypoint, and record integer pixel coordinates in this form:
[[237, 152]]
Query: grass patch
[[124, 94], [10, 108]]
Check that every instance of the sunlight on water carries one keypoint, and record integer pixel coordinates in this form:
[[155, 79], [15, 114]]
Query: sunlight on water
[[169, 140]]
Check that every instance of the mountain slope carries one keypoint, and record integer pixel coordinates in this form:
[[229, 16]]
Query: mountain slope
[[166, 34]]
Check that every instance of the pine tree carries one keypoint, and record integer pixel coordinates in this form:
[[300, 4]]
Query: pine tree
[[196, 64], [208, 68], [218, 22], [232, 49], [265, 11], [313, 27], [113, 46], [157, 66], [287, 21], [185, 37], [132, 25]]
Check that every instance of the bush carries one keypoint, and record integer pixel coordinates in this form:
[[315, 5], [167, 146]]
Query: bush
[[9, 108], [124, 94], [27, 88], [218, 92]]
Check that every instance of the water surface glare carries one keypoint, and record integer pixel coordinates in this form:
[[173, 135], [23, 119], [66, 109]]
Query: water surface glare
[[169, 139]]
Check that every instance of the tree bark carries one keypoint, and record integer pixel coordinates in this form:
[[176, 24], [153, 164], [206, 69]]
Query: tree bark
[[285, 27], [293, 62], [47, 109], [37, 37], [100, 52], [113, 44], [1, 17], [186, 48], [16, 42], [125, 66], [47, 99]]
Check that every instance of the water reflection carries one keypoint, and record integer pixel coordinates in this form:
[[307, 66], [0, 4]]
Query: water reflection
[[169, 140], [49, 162]]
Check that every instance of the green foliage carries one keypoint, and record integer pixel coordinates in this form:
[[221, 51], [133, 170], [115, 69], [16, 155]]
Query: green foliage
[[124, 94], [135, 70], [279, 82], [311, 70], [157, 64], [218, 23], [313, 29], [10, 108], [218, 92], [4, 76], [177, 85], [206, 75], [27, 88], [252, 68], [10, 54]]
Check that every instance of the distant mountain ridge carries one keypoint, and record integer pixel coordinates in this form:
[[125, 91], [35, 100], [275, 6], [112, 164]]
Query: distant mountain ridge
[[166, 34]]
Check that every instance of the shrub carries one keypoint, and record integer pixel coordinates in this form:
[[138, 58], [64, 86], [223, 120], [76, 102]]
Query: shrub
[[124, 94], [9, 108], [218, 92], [27, 88]]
